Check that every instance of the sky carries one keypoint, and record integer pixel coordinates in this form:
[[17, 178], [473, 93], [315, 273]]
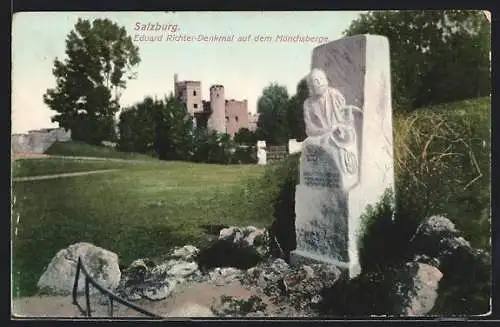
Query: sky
[[245, 68]]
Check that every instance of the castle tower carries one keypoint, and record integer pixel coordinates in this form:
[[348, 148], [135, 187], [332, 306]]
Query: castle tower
[[217, 120]]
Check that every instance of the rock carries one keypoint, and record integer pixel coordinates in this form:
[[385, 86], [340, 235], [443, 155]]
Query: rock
[[185, 253], [159, 292], [437, 226], [229, 306], [429, 238], [144, 278], [255, 237], [295, 287], [422, 258], [191, 310], [101, 264], [183, 269], [437, 242], [418, 287], [222, 276], [303, 286], [227, 233]]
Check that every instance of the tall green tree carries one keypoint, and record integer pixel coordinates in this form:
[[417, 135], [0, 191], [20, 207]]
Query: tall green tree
[[272, 107], [101, 57], [163, 127], [174, 129], [137, 127], [295, 112], [437, 56]]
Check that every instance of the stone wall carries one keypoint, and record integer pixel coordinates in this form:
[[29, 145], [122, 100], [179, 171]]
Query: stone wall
[[38, 141]]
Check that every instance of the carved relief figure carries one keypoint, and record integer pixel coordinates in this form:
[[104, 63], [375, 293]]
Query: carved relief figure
[[330, 122]]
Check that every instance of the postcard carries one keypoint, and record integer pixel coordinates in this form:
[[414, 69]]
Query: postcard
[[251, 165]]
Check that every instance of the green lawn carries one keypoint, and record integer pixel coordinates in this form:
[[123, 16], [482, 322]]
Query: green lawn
[[75, 148], [142, 210], [49, 166]]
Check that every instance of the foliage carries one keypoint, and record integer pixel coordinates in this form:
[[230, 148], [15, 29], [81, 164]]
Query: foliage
[[376, 250], [281, 118], [437, 56], [295, 112], [212, 147], [283, 227], [136, 127], [163, 127], [226, 253], [272, 107], [100, 59], [370, 293], [442, 158], [174, 130], [466, 285], [244, 155], [245, 136]]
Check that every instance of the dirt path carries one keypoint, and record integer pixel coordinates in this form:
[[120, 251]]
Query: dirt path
[[188, 300], [34, 178]]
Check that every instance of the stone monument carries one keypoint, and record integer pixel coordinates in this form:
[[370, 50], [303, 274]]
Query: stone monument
[[346, 161], [261, 153]]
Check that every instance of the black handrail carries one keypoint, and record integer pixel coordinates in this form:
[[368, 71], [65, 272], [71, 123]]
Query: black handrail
[[112, 297]]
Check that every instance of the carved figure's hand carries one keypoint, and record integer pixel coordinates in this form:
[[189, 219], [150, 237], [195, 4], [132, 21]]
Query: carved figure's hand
[[342, 133]]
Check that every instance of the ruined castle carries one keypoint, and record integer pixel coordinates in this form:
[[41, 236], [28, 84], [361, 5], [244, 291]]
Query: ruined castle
[[219, 114]]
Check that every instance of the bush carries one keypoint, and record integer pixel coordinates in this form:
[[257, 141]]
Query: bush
[[442, 158], [211, 147], [244, 155], [224, 253]]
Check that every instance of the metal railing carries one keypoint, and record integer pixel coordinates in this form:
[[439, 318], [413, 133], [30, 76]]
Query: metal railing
[[111, 297]]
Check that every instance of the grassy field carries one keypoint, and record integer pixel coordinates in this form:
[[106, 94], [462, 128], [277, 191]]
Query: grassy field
[[142, 210], [49, 166], [74, 148]]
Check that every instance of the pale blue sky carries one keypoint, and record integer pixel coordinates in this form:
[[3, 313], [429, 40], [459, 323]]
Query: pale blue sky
[[243, 68]]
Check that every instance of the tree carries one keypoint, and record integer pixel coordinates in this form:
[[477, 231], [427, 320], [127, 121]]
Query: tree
[[272, 107], [212, 147], [174, 129], [137, 128], [163, 127], [245, 136], [295, 112], [100, 60], [437, 56]]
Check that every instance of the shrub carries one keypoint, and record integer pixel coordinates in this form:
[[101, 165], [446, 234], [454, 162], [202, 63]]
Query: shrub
[[211, 147], [244, 155]]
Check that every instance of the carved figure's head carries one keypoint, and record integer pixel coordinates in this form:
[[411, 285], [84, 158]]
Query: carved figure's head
[[317, 82]]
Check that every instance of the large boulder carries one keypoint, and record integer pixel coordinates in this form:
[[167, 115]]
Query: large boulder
[[416, 288], [299, 288], [437, 242], [59, 276], [465, 288]]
